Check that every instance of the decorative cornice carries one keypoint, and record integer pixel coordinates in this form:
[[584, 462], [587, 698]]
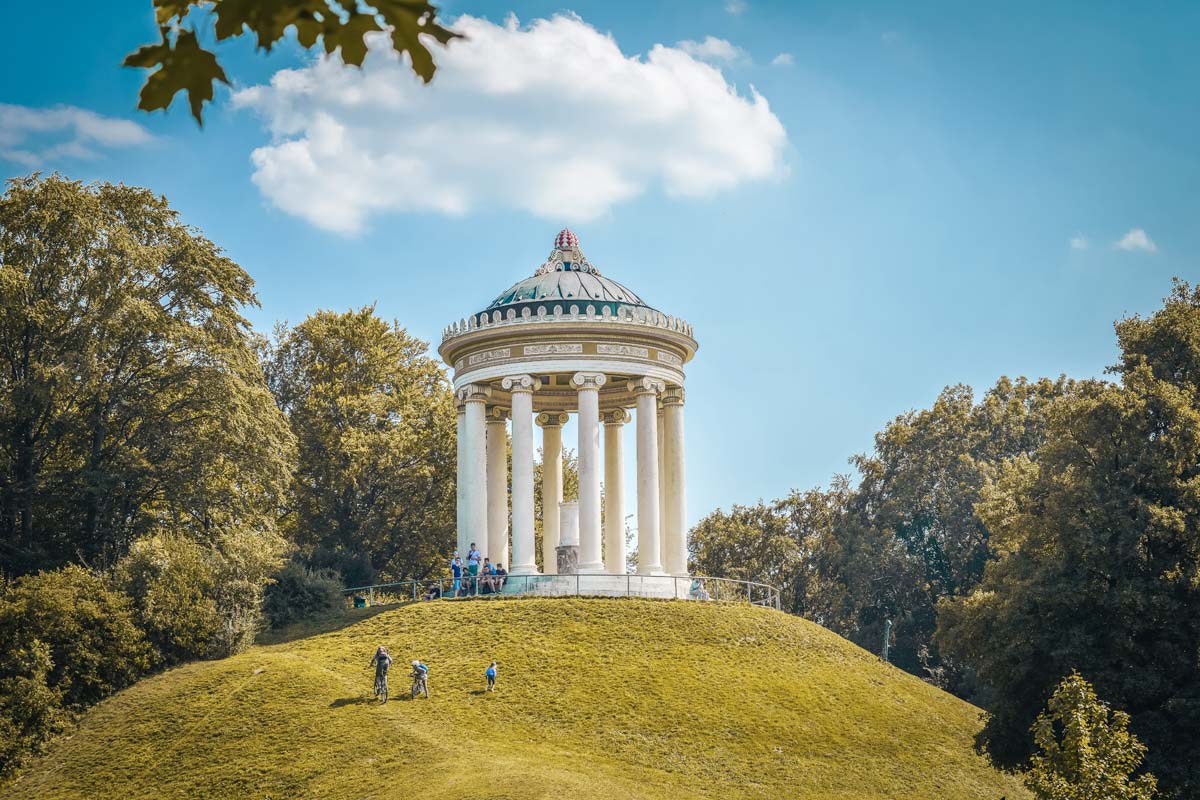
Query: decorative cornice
[[474, 393], [552, 419], [646, 386], [584, 312], [615, 416], [588, 380], [520, 383], [673, 396]]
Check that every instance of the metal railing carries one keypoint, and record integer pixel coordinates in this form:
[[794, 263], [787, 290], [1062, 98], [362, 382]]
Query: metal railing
[[666, 587]]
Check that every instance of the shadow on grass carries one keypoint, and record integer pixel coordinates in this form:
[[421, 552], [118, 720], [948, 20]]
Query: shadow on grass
[[326, 623], [352, 701]]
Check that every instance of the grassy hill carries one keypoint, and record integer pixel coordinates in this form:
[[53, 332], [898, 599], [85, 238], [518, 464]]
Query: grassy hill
[[596, 699]]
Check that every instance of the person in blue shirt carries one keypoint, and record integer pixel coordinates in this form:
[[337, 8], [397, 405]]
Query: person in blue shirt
[[456, 570], [420, 676], [473, 559], [490, 674]]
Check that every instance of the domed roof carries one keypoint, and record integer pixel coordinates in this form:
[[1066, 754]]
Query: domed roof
[[567, 277]]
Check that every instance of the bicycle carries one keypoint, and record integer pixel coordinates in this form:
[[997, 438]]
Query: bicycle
[[420, 684], [381, 686]]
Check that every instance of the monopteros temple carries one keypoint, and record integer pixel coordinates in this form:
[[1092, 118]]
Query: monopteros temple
[[568, 340]]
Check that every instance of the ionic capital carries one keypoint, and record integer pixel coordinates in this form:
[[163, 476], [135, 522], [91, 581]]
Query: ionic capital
[[616, 416], [646, 386], [551, 419], [497, 414], [520, 383], [673, 396], [589, 380], [474, 393]]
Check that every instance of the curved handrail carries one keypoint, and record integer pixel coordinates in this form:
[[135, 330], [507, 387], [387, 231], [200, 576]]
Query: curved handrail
[[693, 587]]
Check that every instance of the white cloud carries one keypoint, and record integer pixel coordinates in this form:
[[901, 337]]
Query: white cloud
[[1079, 242], [783, 60], [33, 136], [736, 7], [712, 49], [552, 118], [1137, 239]]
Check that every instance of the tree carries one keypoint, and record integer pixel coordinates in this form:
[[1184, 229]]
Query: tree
[[1086, 751], [1099, 556], [856, 557], [131, 398], [374, 416], [180, 64]]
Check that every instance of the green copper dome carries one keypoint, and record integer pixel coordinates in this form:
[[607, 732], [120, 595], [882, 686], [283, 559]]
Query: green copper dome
[[567, 278]]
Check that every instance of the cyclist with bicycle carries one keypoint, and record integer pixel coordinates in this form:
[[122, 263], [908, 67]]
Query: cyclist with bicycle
[[381, 661], [420, 679]]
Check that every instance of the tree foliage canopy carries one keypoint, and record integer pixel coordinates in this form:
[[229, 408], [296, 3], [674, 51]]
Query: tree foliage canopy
[[1099, 567], [375, 421], [131, 398], [181, 64], [855, 556]]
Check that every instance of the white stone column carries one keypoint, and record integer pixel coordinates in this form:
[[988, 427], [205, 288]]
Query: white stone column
[[588, 384], [524, 553], [460, 514], [474, 397], [495, 544], [662, 486], [551, 423], [675, 499], [649, 549], [614, 492]]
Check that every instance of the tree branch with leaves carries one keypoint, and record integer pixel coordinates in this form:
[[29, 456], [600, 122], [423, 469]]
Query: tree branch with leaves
[[180, 64]]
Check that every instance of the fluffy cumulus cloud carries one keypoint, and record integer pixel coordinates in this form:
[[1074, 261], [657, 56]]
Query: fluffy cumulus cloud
[[552, 118], [783, 60], [1137, 239], [34, 136]]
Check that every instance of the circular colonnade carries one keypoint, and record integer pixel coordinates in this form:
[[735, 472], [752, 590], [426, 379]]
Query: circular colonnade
[[570, 341]]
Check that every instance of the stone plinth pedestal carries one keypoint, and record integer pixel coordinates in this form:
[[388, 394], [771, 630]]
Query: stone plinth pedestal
[[568, 559]]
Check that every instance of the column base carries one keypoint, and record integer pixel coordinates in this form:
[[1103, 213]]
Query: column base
[[520, 571], [596, 568], [655, 572]]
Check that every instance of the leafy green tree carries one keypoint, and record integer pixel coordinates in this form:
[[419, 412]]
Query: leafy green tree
[[131, 398], [855, 557], [1086, 751], [1099, 567], [375, 421], [180, 64]]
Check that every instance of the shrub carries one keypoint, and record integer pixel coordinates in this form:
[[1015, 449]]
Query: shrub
[[172, 582], [30, 711], [197, 600], [94, 646], [298, 593]]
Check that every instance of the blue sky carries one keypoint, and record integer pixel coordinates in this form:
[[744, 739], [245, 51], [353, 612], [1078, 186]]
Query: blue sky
[[945, 205]]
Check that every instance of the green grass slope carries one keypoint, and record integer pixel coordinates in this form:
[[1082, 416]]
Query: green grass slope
[[597, 699]]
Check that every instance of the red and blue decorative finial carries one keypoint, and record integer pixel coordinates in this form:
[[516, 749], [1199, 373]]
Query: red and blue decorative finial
[[566, 240]]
